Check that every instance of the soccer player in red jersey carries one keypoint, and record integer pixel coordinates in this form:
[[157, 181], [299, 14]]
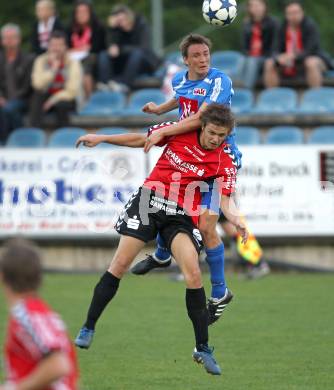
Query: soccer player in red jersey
[[169, 203], [38, 352]]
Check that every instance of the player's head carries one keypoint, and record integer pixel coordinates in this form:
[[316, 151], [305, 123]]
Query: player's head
[[45, 9], [195, 50], [20, 266], [294, 13], [257, 9], [217, 123], [10, 36], [57, 44]]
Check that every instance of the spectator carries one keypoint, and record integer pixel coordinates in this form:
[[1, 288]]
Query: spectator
[[47, 22], [129, 52], [86, 39], [298, 50], [56, 79], [15, 73], [38, 351], [259, 37]]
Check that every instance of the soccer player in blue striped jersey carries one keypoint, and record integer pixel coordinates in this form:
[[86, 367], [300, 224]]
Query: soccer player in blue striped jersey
[[195, 88]]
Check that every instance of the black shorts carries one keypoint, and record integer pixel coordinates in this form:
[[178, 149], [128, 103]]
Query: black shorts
[[146, 214]]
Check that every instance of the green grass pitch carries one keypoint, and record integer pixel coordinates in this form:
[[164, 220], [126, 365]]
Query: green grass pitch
[[278, 333]]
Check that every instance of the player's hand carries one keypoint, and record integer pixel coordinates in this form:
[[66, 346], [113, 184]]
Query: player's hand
[[3, 101], [114, 51], [47, 105], [153, 139], [89, 140], [150, 108], [242, 230]]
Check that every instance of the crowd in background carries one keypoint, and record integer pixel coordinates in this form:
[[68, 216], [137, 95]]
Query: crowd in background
[[68, 62]]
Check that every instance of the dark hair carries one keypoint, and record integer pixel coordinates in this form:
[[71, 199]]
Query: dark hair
[[121, 9], [218, 114], [193, 39], [93, 20], [20, 266], [57, 34]]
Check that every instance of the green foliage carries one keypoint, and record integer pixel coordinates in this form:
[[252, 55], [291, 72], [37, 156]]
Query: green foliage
[[180, 18]]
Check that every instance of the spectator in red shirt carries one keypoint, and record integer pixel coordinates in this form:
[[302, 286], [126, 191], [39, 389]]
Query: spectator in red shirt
[[258, 38], [38, 351], [298, 50], [86, 39], [56, 79]]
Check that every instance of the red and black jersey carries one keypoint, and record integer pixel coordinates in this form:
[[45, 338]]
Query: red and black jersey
[[184, 168], [35, 331]]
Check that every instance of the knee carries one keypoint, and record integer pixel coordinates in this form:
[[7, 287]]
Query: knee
[[207, 227], [119, 265], [193, 277], [269, 64], [136, 54], [312, 62]]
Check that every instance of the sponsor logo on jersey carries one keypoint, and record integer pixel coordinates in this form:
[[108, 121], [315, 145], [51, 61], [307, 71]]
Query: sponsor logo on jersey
[[188, 107], [181, 165], [199, 91], [133, 223]]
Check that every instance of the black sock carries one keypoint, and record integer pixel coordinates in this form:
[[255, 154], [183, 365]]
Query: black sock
[[103, 293], [197, 312]]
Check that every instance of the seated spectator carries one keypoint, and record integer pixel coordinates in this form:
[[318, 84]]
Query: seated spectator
[[86, 39], [15, 74], [56, 79], [47, 22], [129, 52], [298, 50], [259, 35]]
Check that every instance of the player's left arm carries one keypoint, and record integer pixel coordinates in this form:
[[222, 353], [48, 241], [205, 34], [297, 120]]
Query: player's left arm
[[132, 140], [53, 367]]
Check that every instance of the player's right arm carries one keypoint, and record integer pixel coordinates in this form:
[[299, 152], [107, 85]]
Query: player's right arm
[[159, 109], [53, 367], [132, 140], [232, 214]]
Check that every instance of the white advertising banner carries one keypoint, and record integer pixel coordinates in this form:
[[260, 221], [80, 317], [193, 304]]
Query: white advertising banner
[[62, 192], [282, 190]]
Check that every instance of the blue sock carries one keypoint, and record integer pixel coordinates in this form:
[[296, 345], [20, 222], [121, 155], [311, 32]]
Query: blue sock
[[215, 260], [161, 252]]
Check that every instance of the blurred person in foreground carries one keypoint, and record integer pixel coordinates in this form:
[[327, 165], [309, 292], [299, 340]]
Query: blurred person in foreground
[[129, 50], [86, 39], [298, 50], [46, 22], [15, 75], [38, 352], [56, 80], [169, 203], [259, 35]]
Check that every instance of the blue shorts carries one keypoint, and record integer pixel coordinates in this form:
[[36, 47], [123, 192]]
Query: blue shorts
[[211, 199]]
